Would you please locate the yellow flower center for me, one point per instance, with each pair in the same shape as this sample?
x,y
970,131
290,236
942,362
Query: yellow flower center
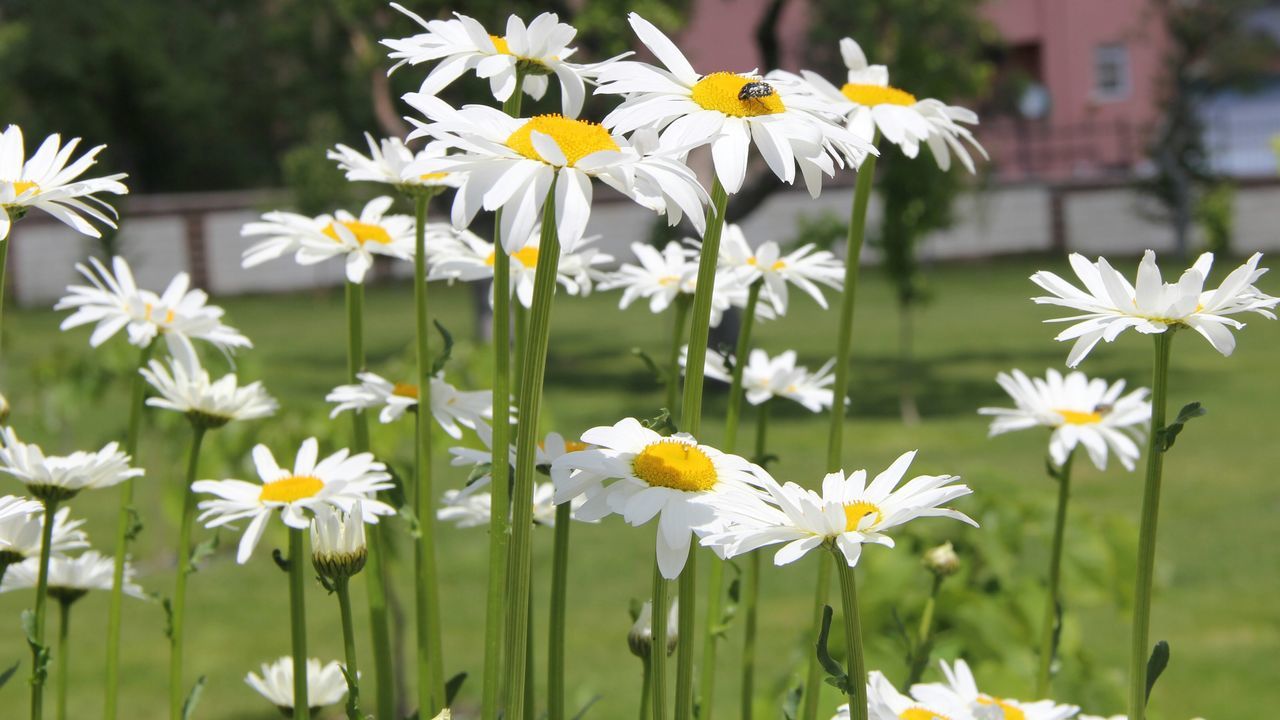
x,y
576,138
574,446
1010,712
871,95
291,489
149,309
428,177
676,465
668,280
1077,417
526,256
500,43
728,93
855,511
753,261
364,232
22,186
919,713
405,390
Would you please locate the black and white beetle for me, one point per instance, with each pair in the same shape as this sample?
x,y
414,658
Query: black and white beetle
x,y
755,90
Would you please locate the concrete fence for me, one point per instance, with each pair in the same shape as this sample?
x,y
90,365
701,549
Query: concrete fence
x,y
200,233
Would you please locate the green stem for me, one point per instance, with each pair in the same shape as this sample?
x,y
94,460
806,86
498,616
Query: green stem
x,y
1147,532
680,315
499,469
530,711
298,618
707,683
646,681
379,624
559,597
852,638
924,638
751,591
342,587
685,630
124,523
1047,634
658,654
39,668
533,367
427,596
739,360
178,615
4,263
64,657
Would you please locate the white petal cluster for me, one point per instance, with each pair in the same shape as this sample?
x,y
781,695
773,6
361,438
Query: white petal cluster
x,y
961,689
72,576
804,267
764,378
46,181
186,387
664,276
391,162
21,523
326,685
452,408
62,476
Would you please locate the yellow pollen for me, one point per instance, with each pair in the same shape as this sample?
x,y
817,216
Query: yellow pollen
x,y
1010,712
720,91
676,465
574,446
667,280
500,43
149,309
871,95
22,186
291,489
364,232
919,713
405,390
576,138
428,177
1077,417
526,256
855,511
778,265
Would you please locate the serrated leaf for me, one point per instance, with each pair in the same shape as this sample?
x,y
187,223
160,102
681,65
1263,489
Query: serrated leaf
x,y
201,551
836,676
8,674
1156,664
193,698
446,353
135,525
281,561
353,694
659,374
594,699
452,686
39,652
1169,433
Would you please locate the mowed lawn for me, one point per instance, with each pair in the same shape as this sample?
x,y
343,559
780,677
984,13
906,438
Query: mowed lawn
x,y
1218,564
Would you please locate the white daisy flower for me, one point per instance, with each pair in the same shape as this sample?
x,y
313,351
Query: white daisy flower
x,y
450,406
21,523
185,387
1080,411
115,302
462,255
71,577
512,163
47,182
338,545
470,506
960,688
1112,305
884,702
545,452
663,276
674,478
847,514
326,685
339,480
60,477
461,44
870,104
804,267
314,240
788,125
391,162
764,378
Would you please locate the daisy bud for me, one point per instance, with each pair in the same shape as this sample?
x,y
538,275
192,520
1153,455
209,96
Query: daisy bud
x,y
4,410
640,639
338,548
942,560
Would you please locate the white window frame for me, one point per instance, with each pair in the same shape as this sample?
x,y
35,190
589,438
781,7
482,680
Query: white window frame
x,y
1115,57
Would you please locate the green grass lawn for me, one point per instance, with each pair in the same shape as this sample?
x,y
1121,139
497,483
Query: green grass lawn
x,y
1218,558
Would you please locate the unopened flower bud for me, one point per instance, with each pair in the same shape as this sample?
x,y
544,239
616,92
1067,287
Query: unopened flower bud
x,y
640,639
942,560
338,548
4,410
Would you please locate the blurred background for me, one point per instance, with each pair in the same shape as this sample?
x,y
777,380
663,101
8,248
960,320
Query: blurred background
x,y
1113,126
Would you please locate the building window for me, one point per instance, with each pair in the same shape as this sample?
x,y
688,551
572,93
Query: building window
x,y
1111,72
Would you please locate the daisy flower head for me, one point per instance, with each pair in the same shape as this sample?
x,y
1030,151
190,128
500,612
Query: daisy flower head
x,y
71,578
545,452
326,685
338,547
1111,304
884,702
21,523
185,387
470,506
805,267
514,164
314,240
732,111
391,162
764,378
450,406
665,276
870,105
846,515
961,689
340,480
462,255
461,44
113,301
46,181
1079,411
61,477
674,478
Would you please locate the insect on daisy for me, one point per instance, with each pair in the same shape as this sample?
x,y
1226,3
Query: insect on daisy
x,y
1079,411
961,689
764,378
114,302
1111,304
314,240
185,387
340,480
804,267
674,478
450,406
47,182
391,162
326,685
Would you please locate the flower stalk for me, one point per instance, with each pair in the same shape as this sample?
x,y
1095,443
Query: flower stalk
x,y
1139,649
1048,629
559,597
751,589
298,617
64,657
679,318
342,588
658,654
39,653
852,638
185,568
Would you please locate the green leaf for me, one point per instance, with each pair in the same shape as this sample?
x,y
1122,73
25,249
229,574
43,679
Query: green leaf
x,y
836,676
594,699
135,525
1156,664
452,687
202,551
168,617
659,374
662,423
326,584
281,561
445,354
7,674
1169,433
353,693
193,699
39,653
791,703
